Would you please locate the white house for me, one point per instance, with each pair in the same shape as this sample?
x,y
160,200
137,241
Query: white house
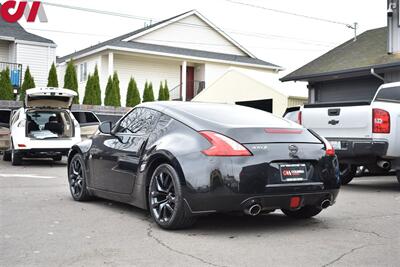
x,y
19,49
249,88
186,50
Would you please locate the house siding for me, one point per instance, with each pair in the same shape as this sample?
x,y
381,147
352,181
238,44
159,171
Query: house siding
x,y
91,64
354,89
146,69
4,51
39,60
197,35
392,76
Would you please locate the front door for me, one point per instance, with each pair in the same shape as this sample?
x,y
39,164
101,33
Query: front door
x,y
115,159
189,83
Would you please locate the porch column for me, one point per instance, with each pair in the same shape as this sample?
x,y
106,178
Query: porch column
x,y
110,64
183,75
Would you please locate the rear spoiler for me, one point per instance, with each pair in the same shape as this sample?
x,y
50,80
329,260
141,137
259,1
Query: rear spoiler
x,y
338,104
291,109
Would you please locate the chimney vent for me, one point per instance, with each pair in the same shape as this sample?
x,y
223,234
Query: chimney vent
x,y
393,26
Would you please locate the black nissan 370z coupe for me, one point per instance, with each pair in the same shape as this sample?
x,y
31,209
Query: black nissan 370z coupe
x,y
181,160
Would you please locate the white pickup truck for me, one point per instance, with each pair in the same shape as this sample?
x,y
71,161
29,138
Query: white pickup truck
x,y
365,133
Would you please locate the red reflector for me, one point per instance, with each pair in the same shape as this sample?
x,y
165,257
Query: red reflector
x,y
380,121
299,118
295,202
283,131
21,145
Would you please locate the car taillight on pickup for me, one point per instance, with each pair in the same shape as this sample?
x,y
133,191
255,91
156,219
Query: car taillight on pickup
x,y
299,117
380,121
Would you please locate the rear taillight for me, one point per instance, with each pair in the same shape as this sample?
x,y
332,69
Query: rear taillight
x,y
329,150
299,118
223,146
380,121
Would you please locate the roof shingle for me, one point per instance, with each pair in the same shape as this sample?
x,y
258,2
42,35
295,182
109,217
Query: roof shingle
x,y
16,31
368,51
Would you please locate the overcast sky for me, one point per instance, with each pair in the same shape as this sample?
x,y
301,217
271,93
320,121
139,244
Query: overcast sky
x,y
285,40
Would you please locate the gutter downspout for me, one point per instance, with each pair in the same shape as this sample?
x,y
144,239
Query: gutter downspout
x,y
376,74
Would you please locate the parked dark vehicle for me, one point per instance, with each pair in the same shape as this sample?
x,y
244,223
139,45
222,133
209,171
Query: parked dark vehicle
x,y
181,160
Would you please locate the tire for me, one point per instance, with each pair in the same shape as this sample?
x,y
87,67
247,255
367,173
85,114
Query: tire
x,y
7,155
166,203
303,213
16,160
77,179
57,158
398,175
347,173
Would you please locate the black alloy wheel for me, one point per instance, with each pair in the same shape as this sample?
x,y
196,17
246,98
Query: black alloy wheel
x,y
77,179
165,199
347,173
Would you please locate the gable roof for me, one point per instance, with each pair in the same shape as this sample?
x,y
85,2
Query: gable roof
x,y
185,15
16,32
123,43
368,51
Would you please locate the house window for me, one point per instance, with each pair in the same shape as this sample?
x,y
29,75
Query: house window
x,y
83,72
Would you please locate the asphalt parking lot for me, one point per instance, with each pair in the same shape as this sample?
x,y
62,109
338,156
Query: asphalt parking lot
x,y
42,226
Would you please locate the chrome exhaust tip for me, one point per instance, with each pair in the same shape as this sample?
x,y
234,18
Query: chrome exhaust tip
x,y
325,203
384,164
253,210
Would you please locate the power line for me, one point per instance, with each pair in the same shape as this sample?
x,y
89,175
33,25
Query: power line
x,y
258,35
289,13
185,42
69,32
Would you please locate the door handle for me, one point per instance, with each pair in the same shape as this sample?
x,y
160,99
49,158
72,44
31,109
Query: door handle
x,y
334,112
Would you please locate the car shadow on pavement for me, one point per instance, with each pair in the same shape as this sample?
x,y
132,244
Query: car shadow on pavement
x,y
374,184
43,162
231,224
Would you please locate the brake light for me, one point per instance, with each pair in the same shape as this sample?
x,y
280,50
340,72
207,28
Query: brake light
x,y
283,131
380,121
223,146
329,150
21,145
299,118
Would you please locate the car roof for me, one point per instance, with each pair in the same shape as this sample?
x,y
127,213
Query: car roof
x,y
210,116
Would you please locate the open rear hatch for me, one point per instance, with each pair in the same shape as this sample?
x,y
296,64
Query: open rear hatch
x,y
49,97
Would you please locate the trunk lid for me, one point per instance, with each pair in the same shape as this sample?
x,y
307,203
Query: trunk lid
x,y
263,135
49,97
344,120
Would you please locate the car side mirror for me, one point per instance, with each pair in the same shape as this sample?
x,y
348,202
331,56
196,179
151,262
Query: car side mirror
x,y
106,127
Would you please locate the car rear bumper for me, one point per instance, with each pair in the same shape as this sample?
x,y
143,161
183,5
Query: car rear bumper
x,y
42,152
364,148
240,202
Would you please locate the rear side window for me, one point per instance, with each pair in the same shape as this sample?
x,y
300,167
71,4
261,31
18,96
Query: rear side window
x,y
389,94
5,116
85,117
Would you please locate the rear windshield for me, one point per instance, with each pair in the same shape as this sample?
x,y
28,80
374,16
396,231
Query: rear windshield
x,y
389,94
48,124
235,115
